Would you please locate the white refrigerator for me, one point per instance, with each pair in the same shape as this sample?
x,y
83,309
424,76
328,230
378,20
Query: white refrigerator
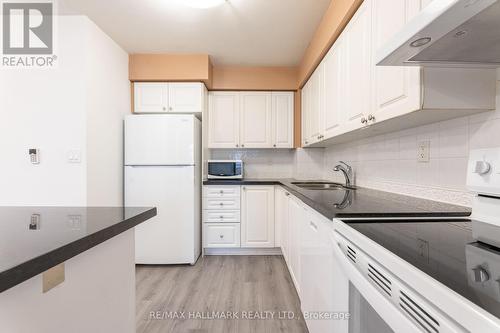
x,y
163,169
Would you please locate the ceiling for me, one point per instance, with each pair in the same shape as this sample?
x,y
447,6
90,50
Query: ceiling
x,y
239,32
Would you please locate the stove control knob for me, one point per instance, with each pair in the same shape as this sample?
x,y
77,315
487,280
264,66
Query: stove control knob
x,y
480,274
482,167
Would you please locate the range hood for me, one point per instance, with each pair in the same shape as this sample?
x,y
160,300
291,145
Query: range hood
x,y
448,33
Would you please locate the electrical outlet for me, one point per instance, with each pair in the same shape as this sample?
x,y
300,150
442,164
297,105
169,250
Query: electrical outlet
x,y
424,148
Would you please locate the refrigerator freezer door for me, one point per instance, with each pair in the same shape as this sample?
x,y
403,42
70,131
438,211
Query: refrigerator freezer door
x,y
160,140
171,237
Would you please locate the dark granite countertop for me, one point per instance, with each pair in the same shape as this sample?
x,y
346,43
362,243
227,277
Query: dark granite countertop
x,y
359,203
34,239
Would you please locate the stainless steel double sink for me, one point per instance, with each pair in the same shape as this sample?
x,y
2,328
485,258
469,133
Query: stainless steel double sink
x,y
322,186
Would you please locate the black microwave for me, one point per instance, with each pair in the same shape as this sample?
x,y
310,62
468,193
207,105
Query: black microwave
x,y
219,169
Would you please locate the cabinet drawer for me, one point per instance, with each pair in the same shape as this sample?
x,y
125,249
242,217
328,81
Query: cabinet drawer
x,y
222,235
221,203
221,216
221,191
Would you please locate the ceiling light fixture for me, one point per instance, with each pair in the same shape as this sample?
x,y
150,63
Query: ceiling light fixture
x,y
204,3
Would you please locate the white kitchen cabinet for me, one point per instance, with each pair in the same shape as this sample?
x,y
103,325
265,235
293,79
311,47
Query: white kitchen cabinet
x,y
257,216
305,108
359,99
167,97
150,97
396,89
223,235
224,120
295,218
186,97
282,223
251,120
282,121
256,120
315,106
317,270
358,61
333,96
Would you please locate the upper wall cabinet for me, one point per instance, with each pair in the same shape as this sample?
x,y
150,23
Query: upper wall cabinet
x,y
353,93
250,120
169,97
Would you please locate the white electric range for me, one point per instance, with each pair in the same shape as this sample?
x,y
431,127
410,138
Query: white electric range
x,y
424,275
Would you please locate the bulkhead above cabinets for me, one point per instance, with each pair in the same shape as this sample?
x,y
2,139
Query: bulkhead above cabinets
x,y
170,97
348,97
250,119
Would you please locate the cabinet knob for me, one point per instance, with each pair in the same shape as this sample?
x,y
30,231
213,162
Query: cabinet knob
x,y
363,120
237,146
306,142
221,191
371,117
221,204
242,145
221,236
170,108
164,108
287,194
221,217
274,146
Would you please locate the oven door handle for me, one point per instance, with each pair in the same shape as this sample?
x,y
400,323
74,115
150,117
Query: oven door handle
x,y
385,308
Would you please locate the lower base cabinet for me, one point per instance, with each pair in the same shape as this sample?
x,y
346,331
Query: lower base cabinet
x,y
222,235
306,244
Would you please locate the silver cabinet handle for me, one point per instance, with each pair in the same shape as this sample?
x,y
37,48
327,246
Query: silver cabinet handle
x,y
363,120
287,194
371,117
313,225
480,274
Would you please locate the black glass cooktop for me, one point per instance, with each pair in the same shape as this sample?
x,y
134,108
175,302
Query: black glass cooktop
x,y
452,252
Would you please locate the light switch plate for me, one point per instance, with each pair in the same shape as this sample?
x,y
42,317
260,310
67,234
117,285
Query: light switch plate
x,y
423,151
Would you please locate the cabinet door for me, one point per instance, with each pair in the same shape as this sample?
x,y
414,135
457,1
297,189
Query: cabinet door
x,y
295,215
282,119
256,120
396,90
224,120
315,105
305,113
333,89
257,216
186,97
150,97
357,38
316,257
281,221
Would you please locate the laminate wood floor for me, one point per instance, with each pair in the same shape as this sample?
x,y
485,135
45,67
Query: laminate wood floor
x,y
257,291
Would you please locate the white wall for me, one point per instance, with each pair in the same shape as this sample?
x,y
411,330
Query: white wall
x,y
108,101
75,106
44,109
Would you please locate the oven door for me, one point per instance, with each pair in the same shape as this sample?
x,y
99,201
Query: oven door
x,y
378,302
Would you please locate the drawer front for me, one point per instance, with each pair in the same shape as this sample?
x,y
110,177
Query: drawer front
x,y
222,203
221,191
222,235
221,216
